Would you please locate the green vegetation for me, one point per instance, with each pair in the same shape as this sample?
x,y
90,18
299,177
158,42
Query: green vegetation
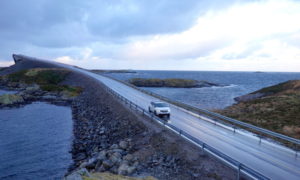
x,y
48,79
67,90
180,83
39,76
278,110
10,99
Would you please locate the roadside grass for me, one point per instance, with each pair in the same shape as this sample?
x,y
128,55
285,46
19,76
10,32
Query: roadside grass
x,y
292,85
279,112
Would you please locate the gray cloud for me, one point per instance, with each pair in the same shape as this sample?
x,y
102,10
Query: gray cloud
x,y
32,25
143,17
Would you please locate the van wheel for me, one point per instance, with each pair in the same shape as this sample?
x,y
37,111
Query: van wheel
x,y
149,110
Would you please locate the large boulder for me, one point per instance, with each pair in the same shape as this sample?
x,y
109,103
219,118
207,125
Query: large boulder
x,y
123,145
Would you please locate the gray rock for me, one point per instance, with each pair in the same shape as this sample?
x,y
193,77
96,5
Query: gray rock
x,y
102,155
99,167
119,151
114,169
23,85
135,164
73,177
102,130
49,97
83,172
128,157
26,96
83,165
169,158
77,175
116,157
95,150
107,164
124,162
91,163
34,87
131,169
123,145
114,146
123,169
80,156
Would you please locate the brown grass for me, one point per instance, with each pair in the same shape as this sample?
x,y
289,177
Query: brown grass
x,y
279,112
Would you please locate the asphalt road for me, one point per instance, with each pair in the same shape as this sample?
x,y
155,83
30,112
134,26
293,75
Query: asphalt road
x,y
270,159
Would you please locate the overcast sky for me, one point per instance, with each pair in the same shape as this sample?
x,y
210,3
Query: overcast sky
x,y
231,35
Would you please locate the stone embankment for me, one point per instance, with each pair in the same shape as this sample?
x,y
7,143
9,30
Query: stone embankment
x,y
110,138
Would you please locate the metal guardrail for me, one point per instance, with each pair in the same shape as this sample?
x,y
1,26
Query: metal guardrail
x,y
242,170
215,115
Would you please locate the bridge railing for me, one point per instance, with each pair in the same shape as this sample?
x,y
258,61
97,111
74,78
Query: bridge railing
x,y
218,118
242,170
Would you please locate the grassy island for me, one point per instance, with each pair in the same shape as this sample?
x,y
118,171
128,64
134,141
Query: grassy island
x,y
174,83
276,108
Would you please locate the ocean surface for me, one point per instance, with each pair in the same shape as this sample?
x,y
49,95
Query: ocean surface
x,y
234,84
35,141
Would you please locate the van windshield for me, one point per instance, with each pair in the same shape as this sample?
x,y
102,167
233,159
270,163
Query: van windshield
x,y
161,105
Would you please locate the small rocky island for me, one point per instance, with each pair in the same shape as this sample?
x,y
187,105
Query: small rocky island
x,y
174,83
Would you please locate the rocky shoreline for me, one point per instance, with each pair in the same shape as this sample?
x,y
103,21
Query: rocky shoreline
x,y
30,94
109,137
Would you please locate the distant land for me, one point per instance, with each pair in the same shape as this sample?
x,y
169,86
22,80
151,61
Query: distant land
x,y
276,108
113,71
